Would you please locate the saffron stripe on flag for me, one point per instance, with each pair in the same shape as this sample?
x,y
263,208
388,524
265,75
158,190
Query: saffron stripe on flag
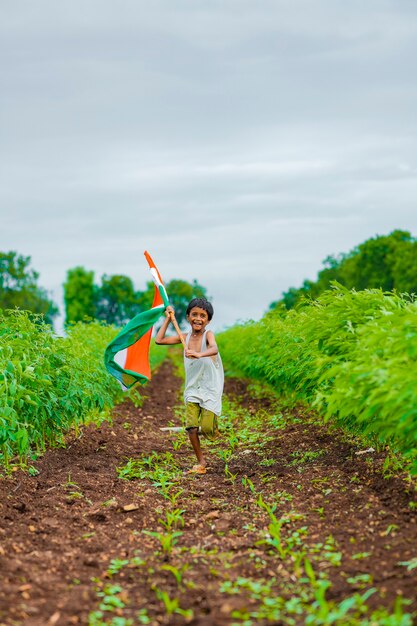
x,y
127,356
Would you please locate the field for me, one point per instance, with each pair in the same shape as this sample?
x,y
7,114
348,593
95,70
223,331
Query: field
x,y
294,523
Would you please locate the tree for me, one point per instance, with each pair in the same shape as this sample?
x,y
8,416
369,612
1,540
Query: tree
x,y
19,288
371,264
116,300
145,298
79,295
405,270
386,261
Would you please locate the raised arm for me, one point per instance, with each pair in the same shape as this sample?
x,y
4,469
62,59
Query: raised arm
x,y
161,339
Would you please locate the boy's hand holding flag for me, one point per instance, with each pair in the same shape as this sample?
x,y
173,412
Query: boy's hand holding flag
x,y
127,355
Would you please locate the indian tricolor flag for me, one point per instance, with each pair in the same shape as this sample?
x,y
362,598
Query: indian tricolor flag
x,y
127,356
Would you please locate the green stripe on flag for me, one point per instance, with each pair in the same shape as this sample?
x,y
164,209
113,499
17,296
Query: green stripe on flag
x,y
130,334
164,295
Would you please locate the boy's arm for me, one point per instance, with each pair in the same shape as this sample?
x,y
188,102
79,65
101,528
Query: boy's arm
x,y
211,350
160,338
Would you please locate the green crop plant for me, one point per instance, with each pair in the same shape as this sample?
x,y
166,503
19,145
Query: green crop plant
x,y
410,565
161,469
225,455
391,528
173,495
267,462
281,496
360,556
110,598
246,482
97,618
328,551
50,384
172,605
177,572
308,603
166,540
113,599
243,427
258,588
305,457
361,580
179,440
273,537
116,565
110,602
353,355
232,440
143,617
173,519
74,491
137,561
277,421
229,475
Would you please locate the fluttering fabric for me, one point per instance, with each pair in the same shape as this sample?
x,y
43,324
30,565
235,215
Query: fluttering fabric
x,y
127,355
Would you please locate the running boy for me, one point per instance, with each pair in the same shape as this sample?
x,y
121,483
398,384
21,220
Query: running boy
x,y
204,376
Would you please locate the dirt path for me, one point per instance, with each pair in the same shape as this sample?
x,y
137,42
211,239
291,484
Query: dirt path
x,y
287,515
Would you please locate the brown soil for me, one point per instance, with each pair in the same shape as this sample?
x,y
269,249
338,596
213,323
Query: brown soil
x,y
61,528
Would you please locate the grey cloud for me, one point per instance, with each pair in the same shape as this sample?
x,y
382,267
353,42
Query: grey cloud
x,y
225,137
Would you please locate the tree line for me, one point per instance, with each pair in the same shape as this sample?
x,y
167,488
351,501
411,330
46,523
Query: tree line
x,y
113,300
388,262
19,287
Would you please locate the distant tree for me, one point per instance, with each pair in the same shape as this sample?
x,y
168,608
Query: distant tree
x,y
387,262
19,288
145,298
79,295
370,265
405,270
116,300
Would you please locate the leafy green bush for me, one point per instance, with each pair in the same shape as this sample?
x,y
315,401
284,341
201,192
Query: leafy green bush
x,y
49,384
156,355
352,354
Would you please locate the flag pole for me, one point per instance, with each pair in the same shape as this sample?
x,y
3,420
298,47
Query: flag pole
x,y
177,328
156,277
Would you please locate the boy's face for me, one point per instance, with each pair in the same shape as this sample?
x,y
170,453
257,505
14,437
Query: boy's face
x,y
198,319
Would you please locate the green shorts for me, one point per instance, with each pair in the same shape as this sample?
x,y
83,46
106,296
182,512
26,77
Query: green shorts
x,y
196,416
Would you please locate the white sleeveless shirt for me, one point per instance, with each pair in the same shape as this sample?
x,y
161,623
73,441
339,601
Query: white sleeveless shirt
x,y
204,379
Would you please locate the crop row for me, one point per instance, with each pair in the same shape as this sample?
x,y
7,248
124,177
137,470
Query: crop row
x,y
49,384
288,569
351,354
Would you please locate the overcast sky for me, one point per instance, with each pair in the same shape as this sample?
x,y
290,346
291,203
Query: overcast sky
x,y
240,142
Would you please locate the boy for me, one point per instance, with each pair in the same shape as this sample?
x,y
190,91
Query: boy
x,y
204,376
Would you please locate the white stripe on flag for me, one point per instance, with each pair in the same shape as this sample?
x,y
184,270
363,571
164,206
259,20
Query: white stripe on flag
x,y
120,357
155,276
